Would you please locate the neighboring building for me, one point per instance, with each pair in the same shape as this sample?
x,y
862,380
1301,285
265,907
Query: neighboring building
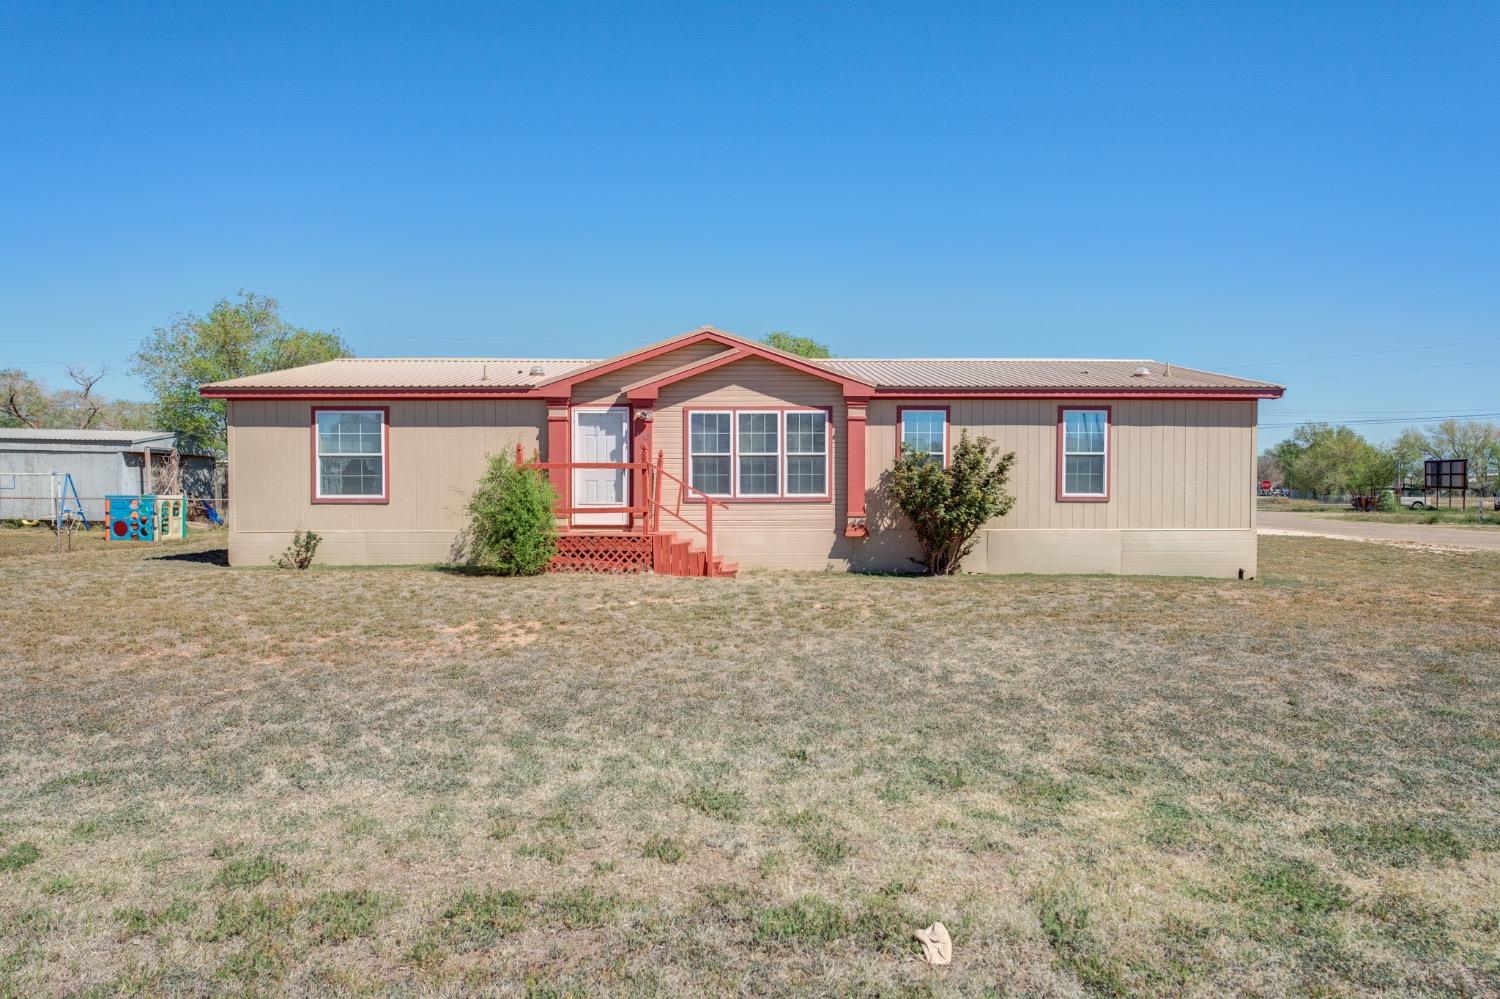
x,y
102,463
1121,466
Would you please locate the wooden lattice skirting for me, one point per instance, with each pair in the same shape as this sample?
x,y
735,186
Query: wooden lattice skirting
x,y
602,553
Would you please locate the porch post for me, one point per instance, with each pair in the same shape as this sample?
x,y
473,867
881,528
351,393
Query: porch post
x,y
855,525
560,448
640,451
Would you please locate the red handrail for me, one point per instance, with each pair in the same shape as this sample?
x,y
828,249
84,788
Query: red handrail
x,y
648,476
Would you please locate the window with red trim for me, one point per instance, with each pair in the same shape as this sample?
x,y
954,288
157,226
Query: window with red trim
x,y
1085,453
351,453
926,432
759,454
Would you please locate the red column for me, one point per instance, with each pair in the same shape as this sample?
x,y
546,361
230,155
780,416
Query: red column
x,y
640,451
560,448
854,453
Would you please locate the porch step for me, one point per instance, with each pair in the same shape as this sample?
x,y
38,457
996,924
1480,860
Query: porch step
x,y
663,553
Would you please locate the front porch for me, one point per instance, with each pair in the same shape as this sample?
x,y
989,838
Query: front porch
x,y
640,542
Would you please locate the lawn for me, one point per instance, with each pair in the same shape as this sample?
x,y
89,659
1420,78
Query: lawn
x,y
220,780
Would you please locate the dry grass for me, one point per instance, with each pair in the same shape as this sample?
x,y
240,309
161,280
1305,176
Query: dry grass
x,y
402,780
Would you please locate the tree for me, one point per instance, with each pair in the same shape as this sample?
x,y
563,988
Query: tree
x,y
1374,469
800,345
1321,459
1472,439
948,506
1268,469
1410,451
235,339
25,402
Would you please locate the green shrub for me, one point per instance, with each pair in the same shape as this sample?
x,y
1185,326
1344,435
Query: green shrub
x,y
512,529
948,506
1386,501
299,554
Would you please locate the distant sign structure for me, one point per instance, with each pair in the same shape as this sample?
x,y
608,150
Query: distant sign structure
x,y
1447,473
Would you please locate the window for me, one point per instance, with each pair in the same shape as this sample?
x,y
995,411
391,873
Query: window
x,y
761,454
1084,453
710,453
759,446
351,454
926,430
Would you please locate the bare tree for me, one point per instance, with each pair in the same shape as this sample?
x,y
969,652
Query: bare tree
x,y
88,405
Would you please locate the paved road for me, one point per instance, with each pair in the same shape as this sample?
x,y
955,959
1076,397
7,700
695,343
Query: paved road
x,y
1468,539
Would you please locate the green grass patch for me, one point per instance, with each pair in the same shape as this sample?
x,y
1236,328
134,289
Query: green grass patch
x,y
1398,844
663,848
720,803
19,855
336,916
249,872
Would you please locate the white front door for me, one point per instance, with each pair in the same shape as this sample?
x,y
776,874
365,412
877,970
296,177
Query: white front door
x,y
601,435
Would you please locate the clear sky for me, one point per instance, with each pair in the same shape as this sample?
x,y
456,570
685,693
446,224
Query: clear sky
x,y
1249,187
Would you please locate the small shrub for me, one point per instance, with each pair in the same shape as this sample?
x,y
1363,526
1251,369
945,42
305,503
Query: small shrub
x,y
19,856
299,554
948,505
512,529
1386,501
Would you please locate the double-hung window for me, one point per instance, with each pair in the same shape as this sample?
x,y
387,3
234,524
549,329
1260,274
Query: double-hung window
x,y
926,432
1083,449
350,456
758,444
807,454
763,454
711,453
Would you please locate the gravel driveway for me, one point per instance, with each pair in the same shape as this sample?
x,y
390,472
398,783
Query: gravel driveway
x,y
1457,538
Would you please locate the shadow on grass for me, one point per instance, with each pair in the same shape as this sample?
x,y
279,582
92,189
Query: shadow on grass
x,y
211,556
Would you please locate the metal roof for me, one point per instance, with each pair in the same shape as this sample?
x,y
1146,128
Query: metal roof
x,y
930,374
411,372
124,438
1032,373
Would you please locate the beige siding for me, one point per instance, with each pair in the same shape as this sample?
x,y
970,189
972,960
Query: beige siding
x,y
1181,488
783,535
437,452
607,388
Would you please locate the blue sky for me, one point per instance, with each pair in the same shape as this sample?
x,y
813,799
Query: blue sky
x,y
1263,188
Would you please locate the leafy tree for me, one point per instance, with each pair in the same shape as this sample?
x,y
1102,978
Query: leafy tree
x,y
948,506
235,339
1409,450
1374,470
25,402
512,529
800,345
1321,459
1472,439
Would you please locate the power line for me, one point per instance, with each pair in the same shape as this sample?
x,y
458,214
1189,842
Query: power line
x,y
1363,353
1393,371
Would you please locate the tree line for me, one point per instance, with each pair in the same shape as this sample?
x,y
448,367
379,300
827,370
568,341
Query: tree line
x,y
1332,460
233,339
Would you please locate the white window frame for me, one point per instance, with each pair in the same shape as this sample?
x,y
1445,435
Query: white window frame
x,y
691,454
787,454
382,456
777,455
1066,454
908,410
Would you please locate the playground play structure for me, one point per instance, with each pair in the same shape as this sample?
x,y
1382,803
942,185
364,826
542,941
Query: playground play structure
x,y
37,497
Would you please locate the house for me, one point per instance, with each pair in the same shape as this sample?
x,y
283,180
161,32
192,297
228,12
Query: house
x,y
1121,466
102,462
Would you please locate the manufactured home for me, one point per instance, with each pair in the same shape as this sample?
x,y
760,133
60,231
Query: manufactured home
x,y
707,451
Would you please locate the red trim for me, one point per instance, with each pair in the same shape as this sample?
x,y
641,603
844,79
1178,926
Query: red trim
x,y
700,335
1109,452
560,448
385,442
1080,392
947,428
781,455
434,394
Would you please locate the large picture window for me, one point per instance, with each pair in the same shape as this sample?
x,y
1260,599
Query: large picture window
x,y
759,454
1083,451
350,455
926,431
